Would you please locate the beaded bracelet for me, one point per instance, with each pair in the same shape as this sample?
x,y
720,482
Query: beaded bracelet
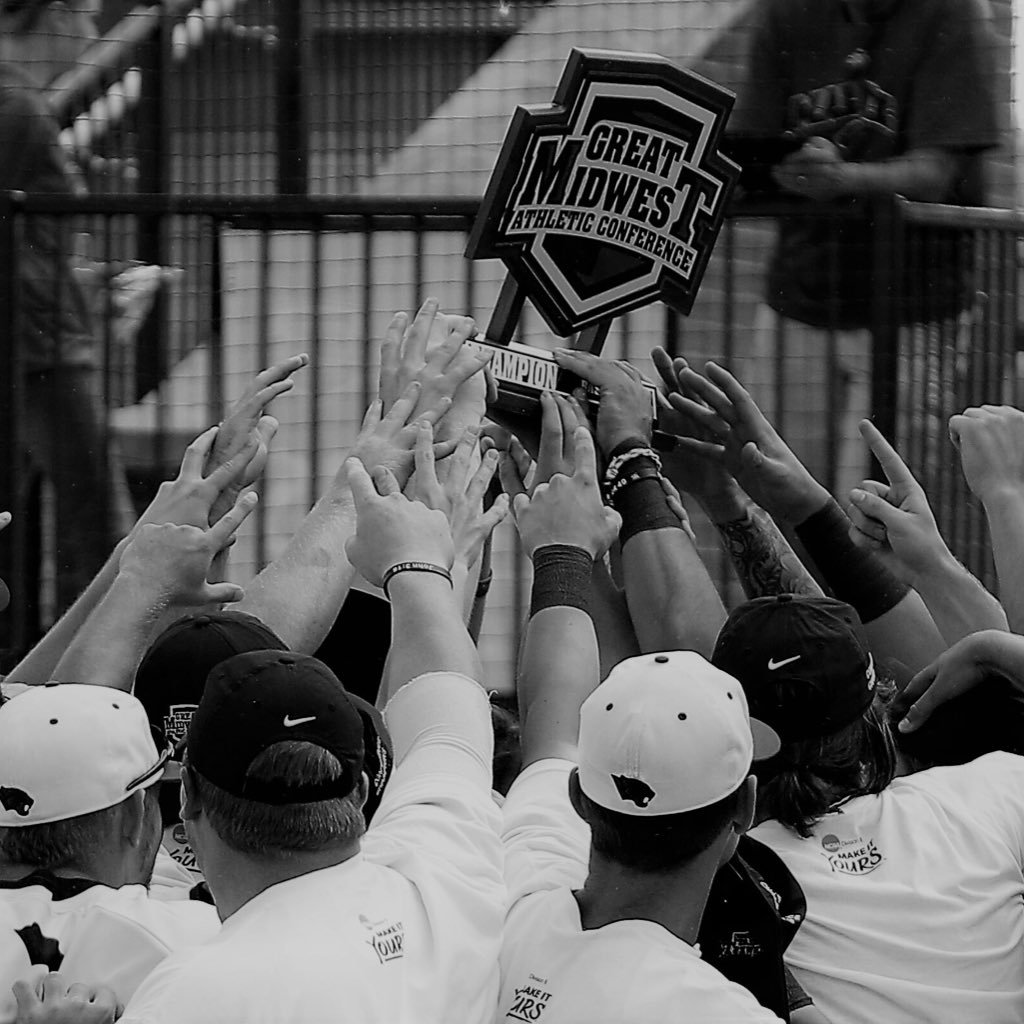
x,y
616,464
437,570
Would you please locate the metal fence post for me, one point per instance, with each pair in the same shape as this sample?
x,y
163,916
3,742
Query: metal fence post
x,y
887,302
13,624
292,137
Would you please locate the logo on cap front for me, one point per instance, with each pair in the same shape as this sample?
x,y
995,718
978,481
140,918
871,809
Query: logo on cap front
x,y
176,721
636,791
773,664
290,722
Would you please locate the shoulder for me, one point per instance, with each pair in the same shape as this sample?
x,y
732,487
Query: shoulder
x,y
171,924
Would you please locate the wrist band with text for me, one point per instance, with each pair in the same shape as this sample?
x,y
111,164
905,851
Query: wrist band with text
x,y
858,577
561,578
437,570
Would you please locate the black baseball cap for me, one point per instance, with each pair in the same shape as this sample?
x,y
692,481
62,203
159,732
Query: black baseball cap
x,y
803,663
255,700
172,676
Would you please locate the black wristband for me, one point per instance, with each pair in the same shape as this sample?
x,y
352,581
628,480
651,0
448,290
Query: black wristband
x,y
858,577
643,505
561,578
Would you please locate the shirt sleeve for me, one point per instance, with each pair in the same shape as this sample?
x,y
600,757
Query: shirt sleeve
x,y
953,104
546,843
437,824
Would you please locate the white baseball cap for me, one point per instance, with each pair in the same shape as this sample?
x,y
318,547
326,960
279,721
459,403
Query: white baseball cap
x,y
69,749
667,733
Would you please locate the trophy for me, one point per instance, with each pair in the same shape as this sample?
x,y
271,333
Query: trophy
x,y
604,201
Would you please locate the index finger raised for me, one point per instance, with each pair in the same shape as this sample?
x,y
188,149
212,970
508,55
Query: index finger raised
x,y
895,469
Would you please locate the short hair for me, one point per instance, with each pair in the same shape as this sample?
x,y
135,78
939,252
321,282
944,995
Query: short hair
x,y
57,844
507,761
282,830
809,777
661,842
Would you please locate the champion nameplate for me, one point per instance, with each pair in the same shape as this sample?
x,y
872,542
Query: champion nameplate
x,y
612,196
524,372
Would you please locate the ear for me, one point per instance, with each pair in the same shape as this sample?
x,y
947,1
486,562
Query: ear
x,y
576,798
362,790
191,805
133,817
746,805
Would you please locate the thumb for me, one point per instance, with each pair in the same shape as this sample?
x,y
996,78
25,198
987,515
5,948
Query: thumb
x,y
224,593
877,508
917,691
752,456
520,503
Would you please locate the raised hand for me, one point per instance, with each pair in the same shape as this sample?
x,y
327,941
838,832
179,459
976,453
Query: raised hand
x,y
248,427
461,494
568,509
895,519
387,441
747,444
431,350
188,499
990,439
391,528
624,410
55,1001
172,562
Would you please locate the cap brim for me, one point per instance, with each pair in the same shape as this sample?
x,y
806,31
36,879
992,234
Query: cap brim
x,y
766,740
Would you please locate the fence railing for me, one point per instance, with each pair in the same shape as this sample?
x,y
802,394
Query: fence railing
x,y
262,278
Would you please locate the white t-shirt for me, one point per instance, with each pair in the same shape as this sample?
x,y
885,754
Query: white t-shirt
x,y
91,933
406,931
555,972
914,899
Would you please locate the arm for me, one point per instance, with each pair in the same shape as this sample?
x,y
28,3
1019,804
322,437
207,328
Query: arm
x,y
299,594
990,440
564,526
163,568
965,665
672,601
762,557
895,618
896,519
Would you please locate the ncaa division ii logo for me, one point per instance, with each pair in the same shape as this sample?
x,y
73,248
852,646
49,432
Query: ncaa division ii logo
x,y
613,196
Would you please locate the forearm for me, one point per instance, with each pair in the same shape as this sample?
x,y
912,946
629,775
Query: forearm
x,y
956,600
925,174
1005,512
300,593
895,617
999,652
40,664
427,631
672,600
559,664
763,559
107,649
616,638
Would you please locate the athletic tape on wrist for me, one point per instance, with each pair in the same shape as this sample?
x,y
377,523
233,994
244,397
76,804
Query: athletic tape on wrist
x,y
561,578
858,577
643,505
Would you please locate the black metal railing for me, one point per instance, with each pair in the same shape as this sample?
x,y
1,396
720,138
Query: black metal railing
x,y
263,277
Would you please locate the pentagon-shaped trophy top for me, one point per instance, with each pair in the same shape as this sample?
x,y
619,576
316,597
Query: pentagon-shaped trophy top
x,y
612,196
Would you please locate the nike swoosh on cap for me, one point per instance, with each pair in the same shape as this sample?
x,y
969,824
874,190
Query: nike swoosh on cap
x,y
773,665
289,722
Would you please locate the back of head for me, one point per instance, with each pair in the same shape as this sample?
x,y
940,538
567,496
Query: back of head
x,y
805,667
70,756
172,677
665,747
276,752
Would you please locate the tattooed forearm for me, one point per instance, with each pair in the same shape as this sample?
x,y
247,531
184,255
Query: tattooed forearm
x,y
763,559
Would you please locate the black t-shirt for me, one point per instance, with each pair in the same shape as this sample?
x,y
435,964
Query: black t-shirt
x,y
753,911
932,73
53,316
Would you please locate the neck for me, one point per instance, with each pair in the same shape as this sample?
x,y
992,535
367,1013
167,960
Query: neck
x,y
674,899
236,878
93,870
